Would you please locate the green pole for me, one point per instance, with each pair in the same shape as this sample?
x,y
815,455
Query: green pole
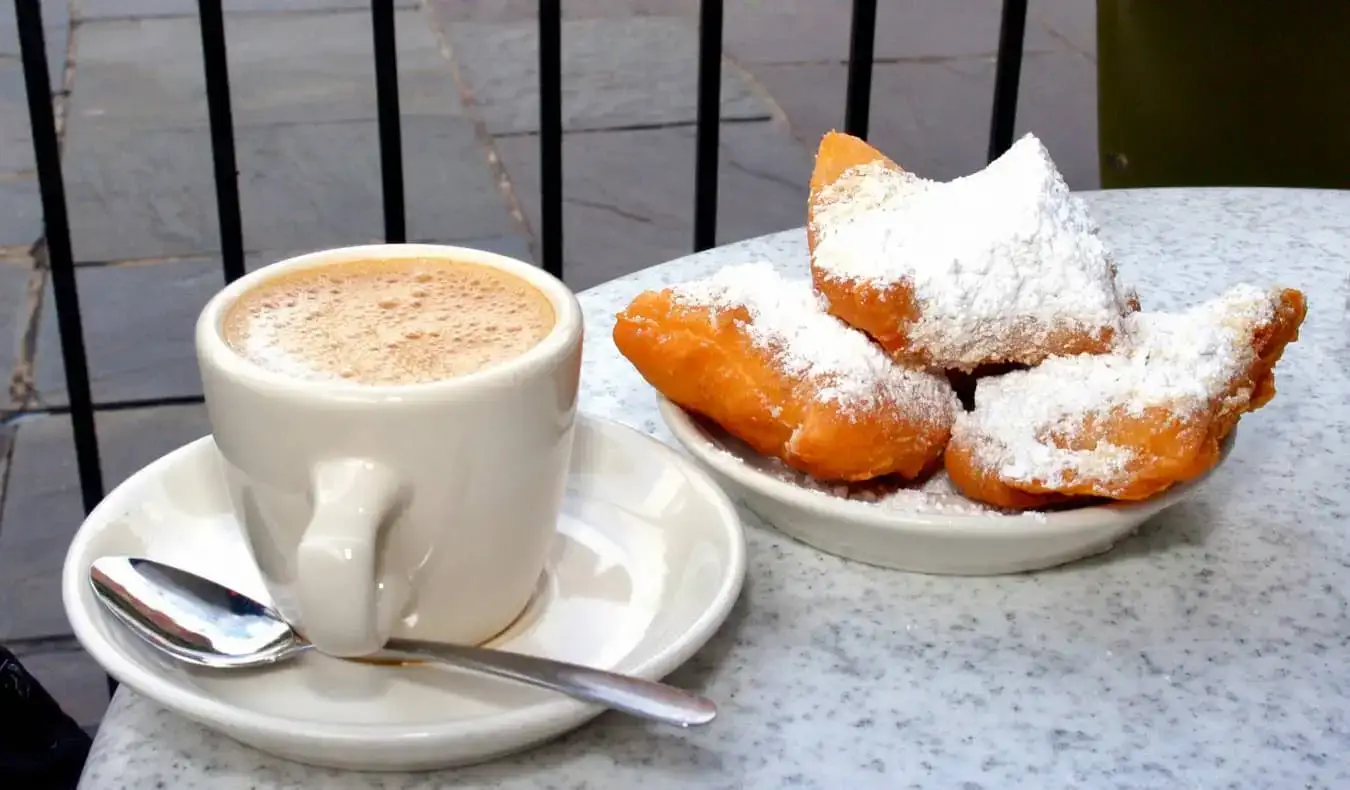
x,y
1224,93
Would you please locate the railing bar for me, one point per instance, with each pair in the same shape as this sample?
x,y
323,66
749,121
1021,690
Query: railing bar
x,y
216,69
116,405
391,139
550,137
47,155
709,123
1007,74
149,403
861,47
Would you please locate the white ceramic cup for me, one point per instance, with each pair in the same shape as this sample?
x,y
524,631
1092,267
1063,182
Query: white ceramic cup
x,y
424,510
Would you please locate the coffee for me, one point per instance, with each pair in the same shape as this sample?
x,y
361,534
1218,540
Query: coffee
x,y
388,321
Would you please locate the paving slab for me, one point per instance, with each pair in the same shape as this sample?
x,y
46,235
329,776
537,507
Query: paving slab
x,y
75,681
137,193
133,193
1059,105
616,73
42,509
330,78
121,9
14,277
16,140
1073,22
56,36
20,211
617,220
514,246
933,118
318,185
805,31
138,324
519,10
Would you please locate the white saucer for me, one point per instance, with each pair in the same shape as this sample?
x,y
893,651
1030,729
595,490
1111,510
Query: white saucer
x,y
940,533
649,561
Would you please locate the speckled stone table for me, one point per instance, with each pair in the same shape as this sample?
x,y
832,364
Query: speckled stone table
x,y
1210,651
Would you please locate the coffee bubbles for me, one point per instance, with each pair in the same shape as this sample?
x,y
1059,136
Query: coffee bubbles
x,y
388,321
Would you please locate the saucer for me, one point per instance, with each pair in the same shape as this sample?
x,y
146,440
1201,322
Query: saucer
x,y
647,564
937,531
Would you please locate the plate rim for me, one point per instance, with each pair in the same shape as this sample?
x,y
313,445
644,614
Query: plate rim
x,y
942,525
555,716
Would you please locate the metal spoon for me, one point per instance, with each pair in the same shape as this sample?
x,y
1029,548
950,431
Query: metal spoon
x,y
201,622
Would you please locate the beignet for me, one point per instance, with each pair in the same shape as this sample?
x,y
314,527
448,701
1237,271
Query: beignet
x,y
1003,266
1129,424
759,356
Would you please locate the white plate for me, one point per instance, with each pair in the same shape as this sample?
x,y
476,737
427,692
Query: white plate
x,y
948,536
649,560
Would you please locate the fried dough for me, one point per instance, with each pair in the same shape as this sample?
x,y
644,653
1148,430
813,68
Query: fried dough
x,y
759,356
1000,267
1130,424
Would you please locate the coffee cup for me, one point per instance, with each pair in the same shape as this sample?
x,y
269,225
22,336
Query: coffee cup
x,y
395,425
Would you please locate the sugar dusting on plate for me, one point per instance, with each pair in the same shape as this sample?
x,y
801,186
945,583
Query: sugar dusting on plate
x,y
934,496
1181,361
1004,252
787,319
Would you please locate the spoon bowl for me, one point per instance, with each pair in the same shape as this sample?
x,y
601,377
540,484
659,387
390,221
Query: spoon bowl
x,y
200,622
191,618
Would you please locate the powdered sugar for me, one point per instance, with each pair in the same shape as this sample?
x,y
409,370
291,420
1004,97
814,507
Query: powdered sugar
x,y
787,319
1181,361
1004,255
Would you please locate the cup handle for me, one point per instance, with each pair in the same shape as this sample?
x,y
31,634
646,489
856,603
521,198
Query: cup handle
x,y
335,562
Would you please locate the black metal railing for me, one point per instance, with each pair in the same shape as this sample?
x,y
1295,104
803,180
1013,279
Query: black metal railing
x,y
57,239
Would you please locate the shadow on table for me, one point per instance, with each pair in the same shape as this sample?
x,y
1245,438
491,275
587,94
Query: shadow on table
x,y
1185,524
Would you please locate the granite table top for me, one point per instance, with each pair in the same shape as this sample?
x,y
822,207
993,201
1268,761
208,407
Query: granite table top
x,y
1211,650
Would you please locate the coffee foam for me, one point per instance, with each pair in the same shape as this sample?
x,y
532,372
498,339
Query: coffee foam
x,y
388,321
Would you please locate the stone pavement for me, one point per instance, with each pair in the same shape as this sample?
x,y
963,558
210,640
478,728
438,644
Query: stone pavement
x,y
129,90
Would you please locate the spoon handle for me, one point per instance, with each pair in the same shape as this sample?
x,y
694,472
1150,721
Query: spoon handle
x,y
643,698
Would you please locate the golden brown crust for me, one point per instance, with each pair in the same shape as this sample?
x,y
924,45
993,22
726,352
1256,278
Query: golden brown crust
x,y
704,360
977,482
839,153
881,313
887,312
1167,448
